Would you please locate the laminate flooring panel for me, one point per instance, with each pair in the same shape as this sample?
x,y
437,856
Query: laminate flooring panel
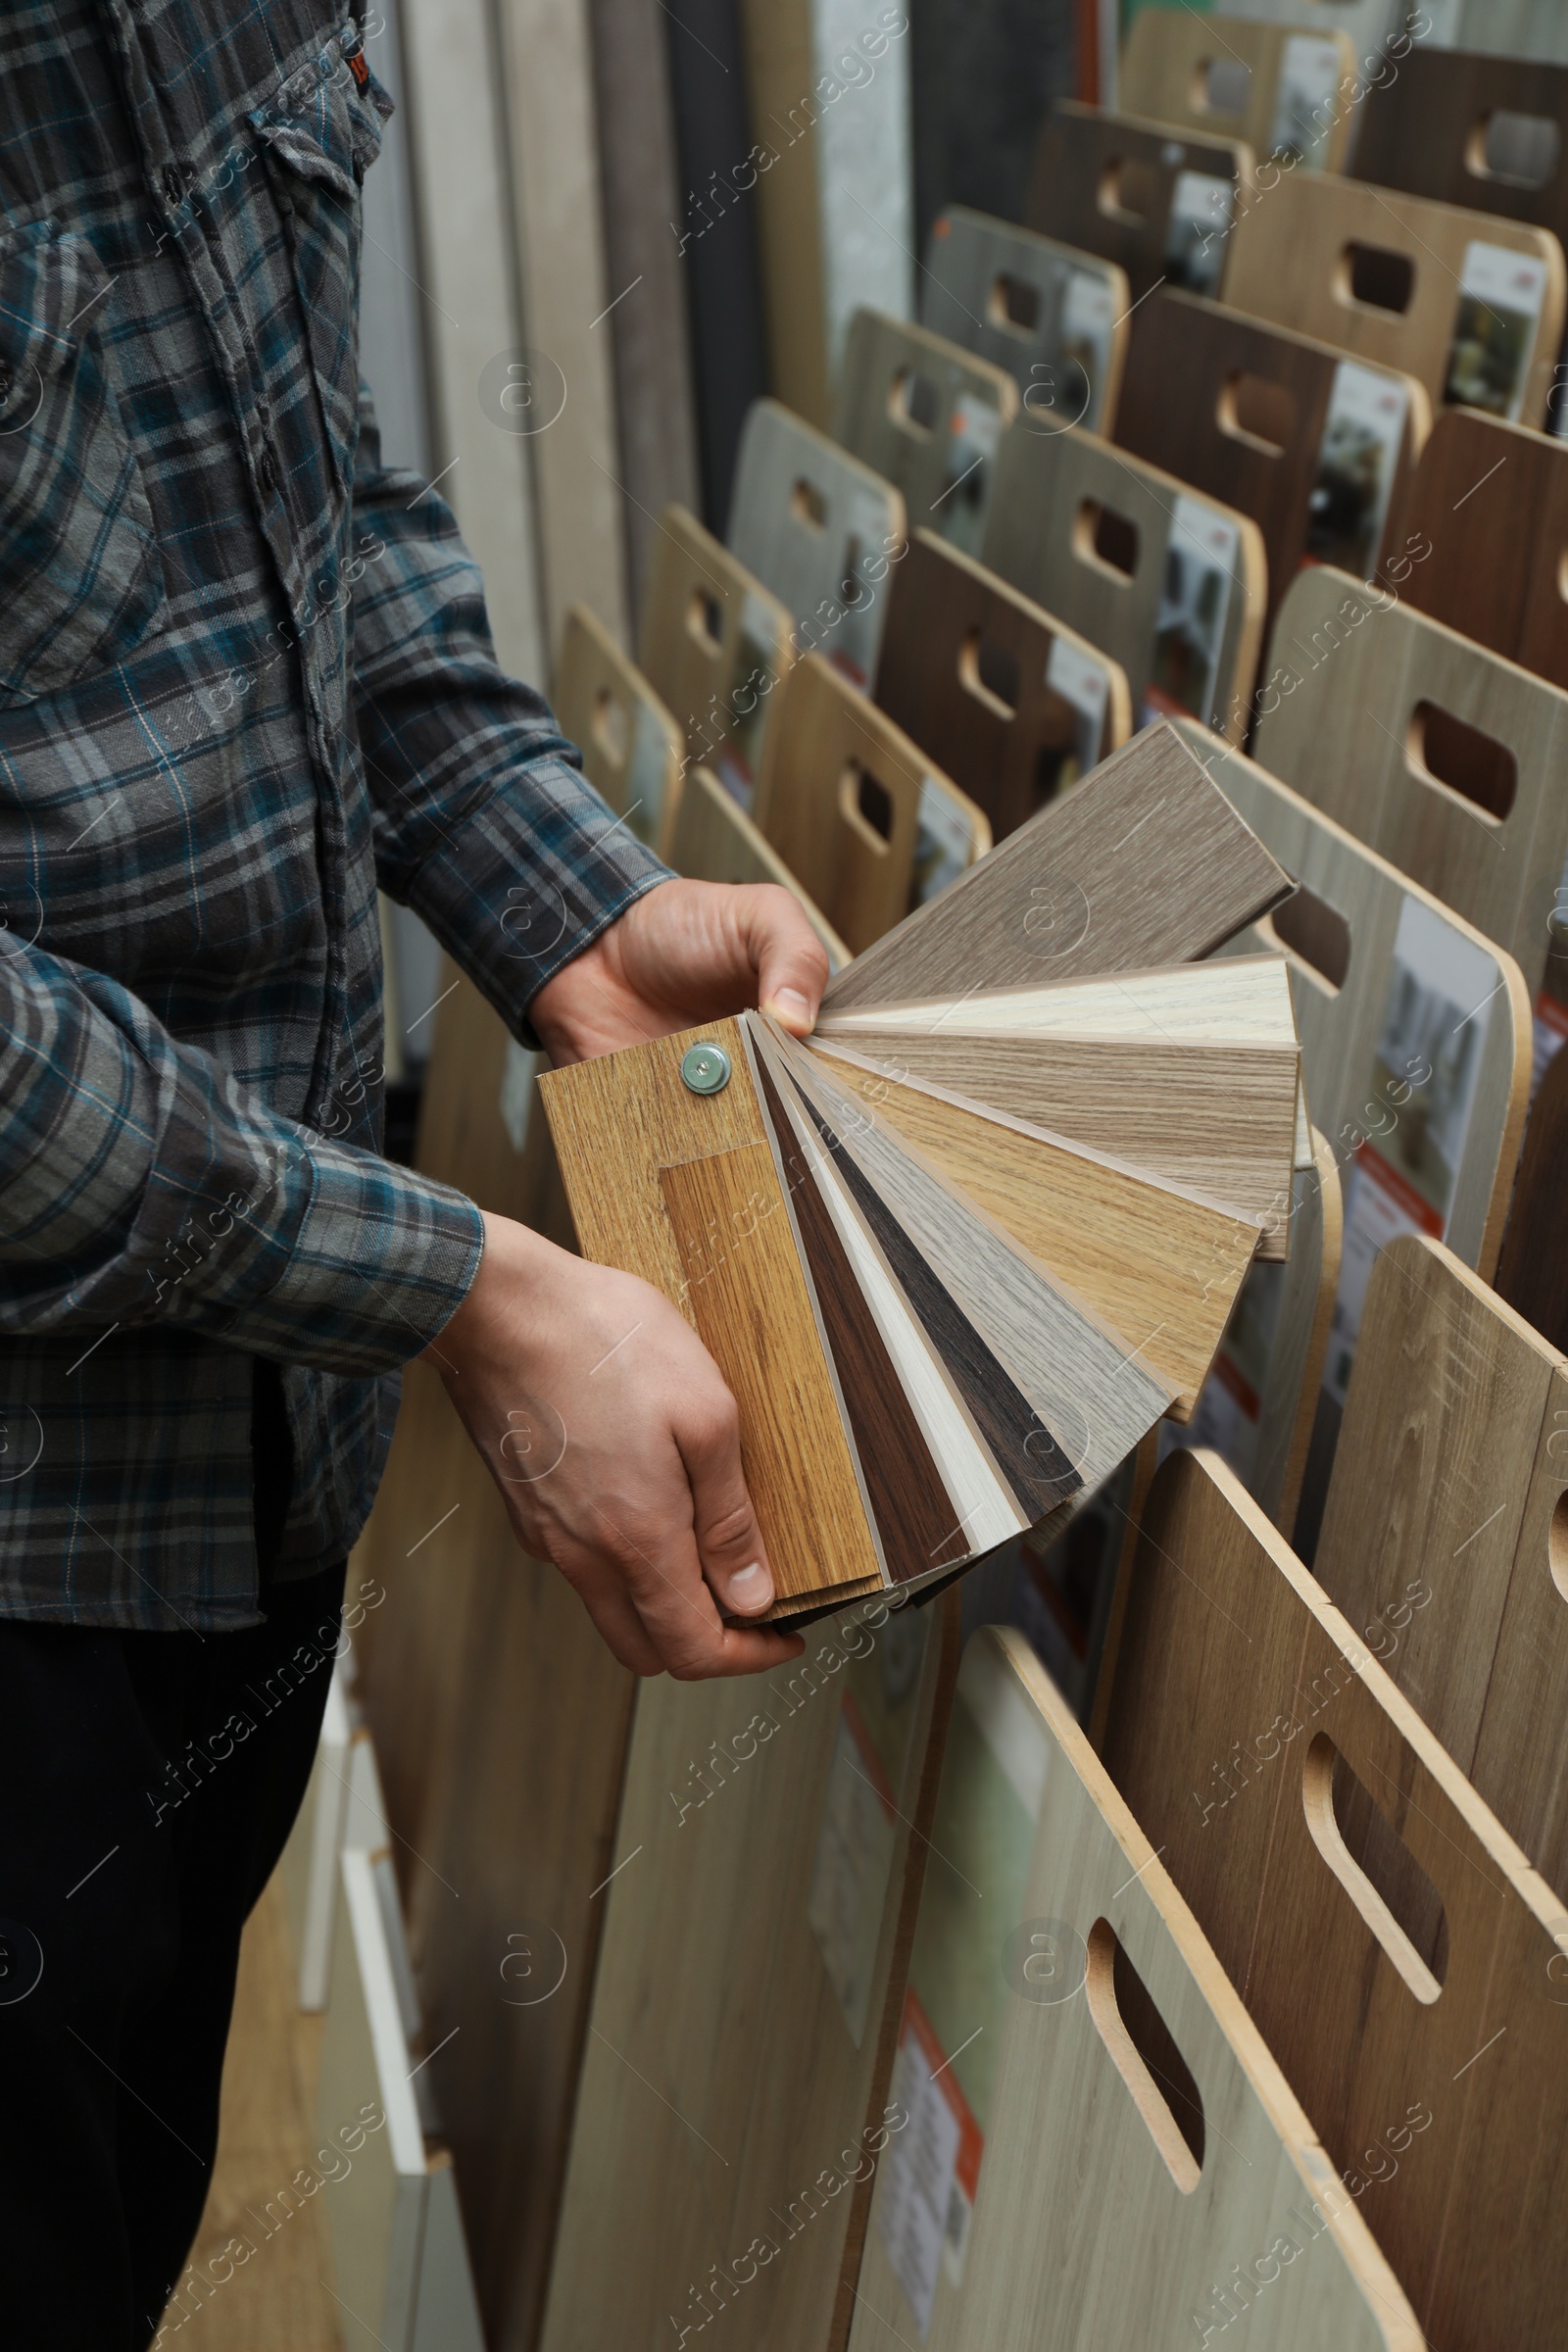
x,y
929,417
1426,129
1269,79
715,646
1055,317
1411,2004
1241,999
1157,204
711,838
633,749
1490,502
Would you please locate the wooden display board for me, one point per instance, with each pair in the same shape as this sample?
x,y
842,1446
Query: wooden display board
x,y
711,839
735,2096
1532,1266
1469,304
716,645
1170,584
1053,315
1432,129
1012,705
1097,2135
927,416
1399,1957
1486,524
1316,447
1277,88
1525,29
1158,206
633,749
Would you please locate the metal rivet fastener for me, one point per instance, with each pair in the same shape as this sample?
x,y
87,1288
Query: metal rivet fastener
x,y
705,1068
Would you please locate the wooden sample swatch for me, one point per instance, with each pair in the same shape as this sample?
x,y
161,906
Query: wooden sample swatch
x,y
1390,1942
1242,1000
1070,895
1011,704
632,749
1316,447
1226,77
928,416
1156,205
1171,585
1468,304
1442,1538
1440,755
1114,2073
1428,129
820,529
709,839
716,645
843,798
1485,535
1532,1266
1053,315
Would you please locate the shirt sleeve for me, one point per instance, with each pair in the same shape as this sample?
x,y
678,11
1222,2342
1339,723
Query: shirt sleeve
x,y
484,823
141,1183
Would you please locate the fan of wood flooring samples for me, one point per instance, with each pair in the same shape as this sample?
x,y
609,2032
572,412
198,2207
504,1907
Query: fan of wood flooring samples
x,y
1223,77
1013,705
929,417
1487,132
820,530
1316,447
1053,316
1158,206
945,1315
716,645
712,840
1468,304
1170,584
1400,1958
632,749
1100,2148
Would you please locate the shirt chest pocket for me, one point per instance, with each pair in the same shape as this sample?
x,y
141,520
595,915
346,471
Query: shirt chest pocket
x,y
318,139
80,578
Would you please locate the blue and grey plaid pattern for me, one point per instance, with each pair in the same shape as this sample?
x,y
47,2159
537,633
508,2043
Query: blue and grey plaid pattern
x,y
245,673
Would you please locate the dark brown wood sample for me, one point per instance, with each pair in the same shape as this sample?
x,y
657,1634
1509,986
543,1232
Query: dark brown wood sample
x,y
1532,1266
1108,182
1432,129
1145,865
1485,538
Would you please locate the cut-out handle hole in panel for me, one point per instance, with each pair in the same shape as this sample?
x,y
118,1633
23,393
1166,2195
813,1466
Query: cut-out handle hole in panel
x,y
1144,2051
1376,1869
1257,413
1105,538
867,807
990,673
1375,278
1557,1545
611,727
1126,191
705,621
1309,928
1523,151
1221,85
1443,749
1015,302
809,506
914,403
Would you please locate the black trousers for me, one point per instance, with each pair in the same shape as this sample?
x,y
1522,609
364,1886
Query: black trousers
x,y
149,1783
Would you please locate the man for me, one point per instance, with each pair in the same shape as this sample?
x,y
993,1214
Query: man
x,y
245,675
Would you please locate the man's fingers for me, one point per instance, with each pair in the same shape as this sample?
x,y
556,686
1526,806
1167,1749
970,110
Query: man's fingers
x,y
730,1542
791,961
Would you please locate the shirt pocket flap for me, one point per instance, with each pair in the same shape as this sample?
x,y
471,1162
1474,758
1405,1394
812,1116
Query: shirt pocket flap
x,y
326,126
50,285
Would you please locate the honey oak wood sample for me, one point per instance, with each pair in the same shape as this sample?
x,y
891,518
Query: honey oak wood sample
x,y
1012,703
1532,1266
714,644
1053,315
1139,2143
820,529
1227,78
1445,1540
633,749
1381,733
1144,865
710,840
1102,538
1486,526
929,417
1392,1945
1476,317
1316,447
1156,204
1432,129
734,2106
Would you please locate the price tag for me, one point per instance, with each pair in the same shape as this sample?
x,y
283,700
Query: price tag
x,y
1357,461
1303,100
1194,599
1196,231
1494,328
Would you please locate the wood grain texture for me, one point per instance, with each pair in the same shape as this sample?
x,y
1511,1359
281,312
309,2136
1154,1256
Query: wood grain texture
x,y
1239,1684
952,628
929,417
1286,265
1242,999
1080,2233
1356,659
1107,182
632,749
1485,527
1054,316
1532,1266
712,840
1164,69
1178,409
1069,894
1054,491
811,521
714,644
1424,130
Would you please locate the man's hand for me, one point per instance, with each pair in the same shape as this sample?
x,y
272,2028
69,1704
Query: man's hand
x,y
683,954
608,1430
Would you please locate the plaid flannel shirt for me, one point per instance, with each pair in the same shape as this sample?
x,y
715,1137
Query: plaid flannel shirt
x,y
245,674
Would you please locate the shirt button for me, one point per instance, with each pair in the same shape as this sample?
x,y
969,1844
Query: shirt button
x,y
267,472
173,183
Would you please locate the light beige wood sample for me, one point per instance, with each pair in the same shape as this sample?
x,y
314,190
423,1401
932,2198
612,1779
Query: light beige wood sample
x,y
1234,79
727,2098
1390,1941
714,644
1445,1539
1053,316
820,529
1488,340
834,764
633,749
1094,2222
1241,1000
1377,723
709,839
929,417
1088,531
